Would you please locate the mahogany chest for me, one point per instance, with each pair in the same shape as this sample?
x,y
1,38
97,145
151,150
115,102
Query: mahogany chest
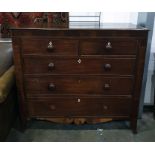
x,y
79,71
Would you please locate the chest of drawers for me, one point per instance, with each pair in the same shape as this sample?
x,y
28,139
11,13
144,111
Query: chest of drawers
x,y
79,72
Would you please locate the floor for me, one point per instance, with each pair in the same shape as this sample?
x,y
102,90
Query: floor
x,y
117,131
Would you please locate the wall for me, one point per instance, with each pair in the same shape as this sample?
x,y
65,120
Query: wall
x,y
147,19
109,17
149,90
119,17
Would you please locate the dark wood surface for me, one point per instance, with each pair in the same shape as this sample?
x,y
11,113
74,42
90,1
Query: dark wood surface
x,y
79,71
124,46
89,65
82,26
80,106
78,84
40,46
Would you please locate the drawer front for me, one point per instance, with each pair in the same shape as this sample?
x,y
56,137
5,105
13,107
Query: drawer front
x,y
110,66
49,46
123,46
79,106
78,85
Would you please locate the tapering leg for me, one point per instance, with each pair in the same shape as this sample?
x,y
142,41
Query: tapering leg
x,y
133,125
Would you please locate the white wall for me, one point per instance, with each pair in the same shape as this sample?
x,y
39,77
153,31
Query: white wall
x,y
108,17
153,39
119,17
149,91
133,17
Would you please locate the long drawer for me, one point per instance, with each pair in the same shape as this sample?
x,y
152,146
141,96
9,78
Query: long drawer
x,y
89,65
108,46
49,46
78,85
79,106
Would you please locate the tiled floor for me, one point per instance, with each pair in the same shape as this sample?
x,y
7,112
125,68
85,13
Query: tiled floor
x,y
39,131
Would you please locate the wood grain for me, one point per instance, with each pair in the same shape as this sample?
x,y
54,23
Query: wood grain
x,y
85,73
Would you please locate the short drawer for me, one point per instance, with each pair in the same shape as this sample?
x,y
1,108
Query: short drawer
x,y
49,46
109,46
50,65
79,106
78,85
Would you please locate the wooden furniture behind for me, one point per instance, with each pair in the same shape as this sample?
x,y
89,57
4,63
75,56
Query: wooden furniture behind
x,y
80,71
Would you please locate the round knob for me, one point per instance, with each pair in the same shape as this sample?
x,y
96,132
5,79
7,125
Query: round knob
x,y
51,66
52,107
107,66
51,87
50,46
108,45
106,86
105,107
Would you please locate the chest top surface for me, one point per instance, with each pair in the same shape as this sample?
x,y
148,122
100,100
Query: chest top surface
x,y
83,26
81,30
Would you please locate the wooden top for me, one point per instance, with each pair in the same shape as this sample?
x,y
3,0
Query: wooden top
x,y
84,26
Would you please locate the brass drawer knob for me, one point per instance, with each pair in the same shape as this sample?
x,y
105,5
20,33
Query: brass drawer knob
x,y
106,86
51,87
108,45
107,67
50,46
51,66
